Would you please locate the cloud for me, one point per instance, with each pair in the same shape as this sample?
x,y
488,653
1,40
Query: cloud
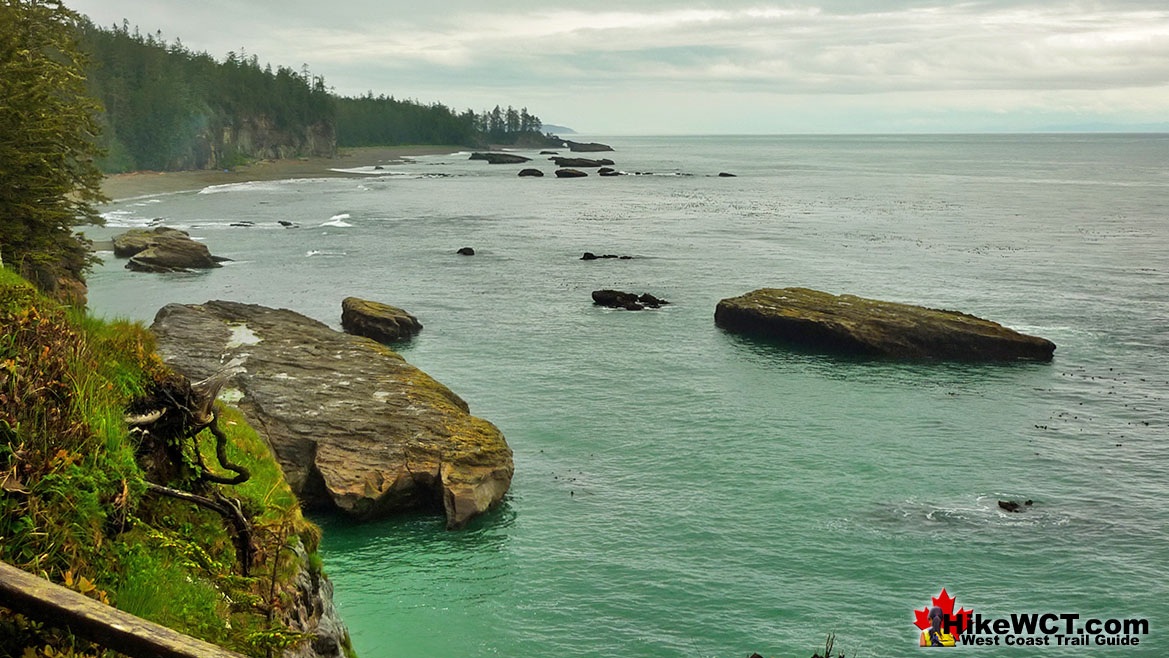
x,y
993,54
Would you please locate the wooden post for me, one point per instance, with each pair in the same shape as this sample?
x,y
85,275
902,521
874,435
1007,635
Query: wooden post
x,y
109,627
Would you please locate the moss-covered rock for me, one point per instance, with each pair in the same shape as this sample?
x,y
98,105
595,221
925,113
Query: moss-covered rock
x,y
856,325
354,426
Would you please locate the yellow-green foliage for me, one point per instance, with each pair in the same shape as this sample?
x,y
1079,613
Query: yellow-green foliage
x,y
73,506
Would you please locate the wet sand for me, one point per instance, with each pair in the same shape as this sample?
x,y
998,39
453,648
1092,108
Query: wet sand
x,y
140,183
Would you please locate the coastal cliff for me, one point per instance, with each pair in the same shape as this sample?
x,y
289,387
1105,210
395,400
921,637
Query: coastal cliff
x,y
86,502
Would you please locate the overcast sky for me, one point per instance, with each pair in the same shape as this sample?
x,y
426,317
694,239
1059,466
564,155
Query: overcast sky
x,y
683,67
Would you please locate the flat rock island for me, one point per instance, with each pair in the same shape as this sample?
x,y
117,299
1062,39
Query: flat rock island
x,y
354,426
856,325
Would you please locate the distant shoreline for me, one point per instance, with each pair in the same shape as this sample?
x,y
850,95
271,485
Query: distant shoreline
x,y
143,183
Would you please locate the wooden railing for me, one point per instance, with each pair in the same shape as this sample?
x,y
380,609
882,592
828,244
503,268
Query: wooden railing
x,y
109,627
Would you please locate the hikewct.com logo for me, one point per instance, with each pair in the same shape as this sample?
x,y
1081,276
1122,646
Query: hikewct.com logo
x,y
942,627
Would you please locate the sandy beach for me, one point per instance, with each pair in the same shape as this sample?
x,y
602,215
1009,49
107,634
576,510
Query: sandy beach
x,y
139,183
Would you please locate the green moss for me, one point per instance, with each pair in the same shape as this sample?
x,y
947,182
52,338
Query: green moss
x,y
74,508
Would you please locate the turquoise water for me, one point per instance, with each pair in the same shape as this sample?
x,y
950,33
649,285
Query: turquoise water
x,y
684,492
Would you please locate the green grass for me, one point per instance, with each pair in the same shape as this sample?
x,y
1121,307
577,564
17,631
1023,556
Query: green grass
x,y
74,507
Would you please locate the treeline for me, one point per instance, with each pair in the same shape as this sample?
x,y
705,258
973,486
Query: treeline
x,y
168,107
385,121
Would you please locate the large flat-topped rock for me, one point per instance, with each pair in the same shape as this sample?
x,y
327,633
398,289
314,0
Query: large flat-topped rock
x,y
352,424
845,323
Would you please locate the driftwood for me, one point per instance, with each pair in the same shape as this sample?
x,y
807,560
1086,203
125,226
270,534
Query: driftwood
x,y
109,627
177,410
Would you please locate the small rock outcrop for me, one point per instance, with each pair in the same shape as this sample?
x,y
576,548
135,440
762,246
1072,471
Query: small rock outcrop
x,y
583,163
856,325
723,174
137,239
588,255
499,158
549,153
570,173
1015,506
381,322
531,172
466,251
587,147
626,300
354,427
163,250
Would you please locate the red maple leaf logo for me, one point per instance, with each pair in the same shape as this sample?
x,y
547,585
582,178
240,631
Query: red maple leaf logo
x,y
950,620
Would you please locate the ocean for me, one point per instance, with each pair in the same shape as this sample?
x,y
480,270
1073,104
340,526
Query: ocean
x,y
681,491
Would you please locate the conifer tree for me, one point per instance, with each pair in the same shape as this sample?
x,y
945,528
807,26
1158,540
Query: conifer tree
x,y
49,181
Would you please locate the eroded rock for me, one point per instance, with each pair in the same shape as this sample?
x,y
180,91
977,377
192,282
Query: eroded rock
x,y
381,322
626,300
354,427
499,158
849,324
531,172
583,163
570,173
137,239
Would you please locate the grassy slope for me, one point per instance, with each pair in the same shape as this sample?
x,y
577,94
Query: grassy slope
x,y
73,506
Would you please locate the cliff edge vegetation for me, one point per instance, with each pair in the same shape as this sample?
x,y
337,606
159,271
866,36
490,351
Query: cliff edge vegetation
x,y
77,505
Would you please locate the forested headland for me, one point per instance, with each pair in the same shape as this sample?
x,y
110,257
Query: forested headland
x,y
167,107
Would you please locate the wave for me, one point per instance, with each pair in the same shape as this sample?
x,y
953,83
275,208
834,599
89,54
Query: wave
x,y
318,252
338,223
343,215
265,186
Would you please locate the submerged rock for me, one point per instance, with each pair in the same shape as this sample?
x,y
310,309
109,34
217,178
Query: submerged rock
x,y
626,300
608,171
588,255
1015,506
857,325
499,158
584,163
354,427
570,173
549,153
466,251
381,322
585,147
531,172
723,174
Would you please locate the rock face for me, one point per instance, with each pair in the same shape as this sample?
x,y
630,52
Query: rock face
x,y
626,300
499,158
531,172
354,427
589,147
570,173
584,163
313,612
381,322
845,323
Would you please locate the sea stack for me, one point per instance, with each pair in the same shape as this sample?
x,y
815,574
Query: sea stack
x,y
856,325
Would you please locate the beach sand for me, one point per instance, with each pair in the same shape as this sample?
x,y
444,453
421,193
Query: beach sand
x,y
140,183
